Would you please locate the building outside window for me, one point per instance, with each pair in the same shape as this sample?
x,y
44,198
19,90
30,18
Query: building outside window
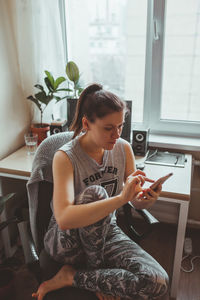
x,y
144,51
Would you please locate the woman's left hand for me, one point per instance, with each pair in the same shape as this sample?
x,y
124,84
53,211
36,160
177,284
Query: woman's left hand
x,y
147,197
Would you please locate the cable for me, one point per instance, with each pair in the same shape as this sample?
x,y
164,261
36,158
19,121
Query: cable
x,y
191,262
177,158
153,154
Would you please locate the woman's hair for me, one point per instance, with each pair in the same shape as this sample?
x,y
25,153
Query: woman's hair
x,y
94,102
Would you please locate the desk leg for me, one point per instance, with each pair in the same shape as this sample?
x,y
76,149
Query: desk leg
x,y
182,221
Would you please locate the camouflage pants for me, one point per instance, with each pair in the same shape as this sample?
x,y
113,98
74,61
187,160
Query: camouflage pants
x,y
114,264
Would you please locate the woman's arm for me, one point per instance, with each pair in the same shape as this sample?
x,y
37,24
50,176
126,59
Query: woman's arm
x,y
69,215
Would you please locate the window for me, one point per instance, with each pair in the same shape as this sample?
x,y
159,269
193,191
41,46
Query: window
x,y
181,74
175,92
108,41
144,51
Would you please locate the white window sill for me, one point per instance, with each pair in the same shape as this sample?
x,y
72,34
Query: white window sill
x,y
174,142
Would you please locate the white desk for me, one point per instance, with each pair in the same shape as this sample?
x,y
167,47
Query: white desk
x,y
18,166
175,190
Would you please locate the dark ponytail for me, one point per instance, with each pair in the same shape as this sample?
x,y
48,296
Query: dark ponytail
x,y
76,125
94,102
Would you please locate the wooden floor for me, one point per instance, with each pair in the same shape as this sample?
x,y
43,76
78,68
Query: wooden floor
x,y
160,244
189,286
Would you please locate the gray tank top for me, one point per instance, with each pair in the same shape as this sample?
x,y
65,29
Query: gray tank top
x,y
87,172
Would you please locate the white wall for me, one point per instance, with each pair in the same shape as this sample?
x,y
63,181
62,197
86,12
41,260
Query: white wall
x,y
14,107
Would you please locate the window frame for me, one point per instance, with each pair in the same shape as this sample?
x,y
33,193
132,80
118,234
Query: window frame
x,y
152,106
153,75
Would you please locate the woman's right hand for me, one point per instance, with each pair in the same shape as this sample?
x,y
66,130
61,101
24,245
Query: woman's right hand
x,y
133,185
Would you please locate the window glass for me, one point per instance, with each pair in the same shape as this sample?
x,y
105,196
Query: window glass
x,y
181,75
107,40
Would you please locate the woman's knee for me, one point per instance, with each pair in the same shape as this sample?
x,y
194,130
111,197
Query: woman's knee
x,y
157,284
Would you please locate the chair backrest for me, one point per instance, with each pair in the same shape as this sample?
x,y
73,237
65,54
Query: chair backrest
x,y
44,211
43,162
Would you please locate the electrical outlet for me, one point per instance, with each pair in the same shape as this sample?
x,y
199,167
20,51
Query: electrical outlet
x,y
188,245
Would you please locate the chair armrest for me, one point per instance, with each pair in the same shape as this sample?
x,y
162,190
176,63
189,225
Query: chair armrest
x,y
145,214
149,221
29,250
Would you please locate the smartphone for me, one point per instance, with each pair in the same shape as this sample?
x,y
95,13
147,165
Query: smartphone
x,y
160,180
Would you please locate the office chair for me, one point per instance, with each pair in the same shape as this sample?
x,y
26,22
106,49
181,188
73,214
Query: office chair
x,y
40,190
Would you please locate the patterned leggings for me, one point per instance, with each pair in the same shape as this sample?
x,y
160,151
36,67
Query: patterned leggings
x,y
115,265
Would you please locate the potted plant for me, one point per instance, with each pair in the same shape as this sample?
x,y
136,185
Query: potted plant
x,y
7,275
43,98
73,75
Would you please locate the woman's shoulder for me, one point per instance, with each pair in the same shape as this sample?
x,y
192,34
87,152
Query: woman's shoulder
x,y
69,146
71,150
119,148
123,143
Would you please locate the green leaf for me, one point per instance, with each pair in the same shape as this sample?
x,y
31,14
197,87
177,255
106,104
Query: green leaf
x,y
4,199
80,91
78,88
42,97
48,84
49,98
50,77
64,90
78,85
72,71
57,98
35,101
67,97
58,81
39,86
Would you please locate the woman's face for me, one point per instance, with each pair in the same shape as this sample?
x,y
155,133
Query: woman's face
x,y
105,131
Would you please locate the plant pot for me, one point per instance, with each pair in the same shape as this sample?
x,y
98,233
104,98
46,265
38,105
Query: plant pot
x,y
41,130
7,286
71,108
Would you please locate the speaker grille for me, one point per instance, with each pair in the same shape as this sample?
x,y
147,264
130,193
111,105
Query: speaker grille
x,y
140,141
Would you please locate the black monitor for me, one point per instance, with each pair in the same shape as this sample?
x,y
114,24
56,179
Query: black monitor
x,y
126,132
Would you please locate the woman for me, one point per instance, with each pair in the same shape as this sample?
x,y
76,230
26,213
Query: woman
x,y
95,174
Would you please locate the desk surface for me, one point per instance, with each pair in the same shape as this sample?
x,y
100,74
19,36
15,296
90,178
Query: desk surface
x,y
178,186
17,163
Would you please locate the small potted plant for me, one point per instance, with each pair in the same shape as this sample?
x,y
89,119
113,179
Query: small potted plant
x,y
43,98
7,275
73,75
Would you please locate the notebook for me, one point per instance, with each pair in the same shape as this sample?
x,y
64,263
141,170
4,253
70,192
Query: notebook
x,y
165,158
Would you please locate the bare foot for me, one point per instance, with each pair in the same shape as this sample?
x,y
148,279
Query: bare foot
x,y
106,297
63,278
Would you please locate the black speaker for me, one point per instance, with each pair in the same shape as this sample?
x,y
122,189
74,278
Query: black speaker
x,y
58,126
140,140
126,132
